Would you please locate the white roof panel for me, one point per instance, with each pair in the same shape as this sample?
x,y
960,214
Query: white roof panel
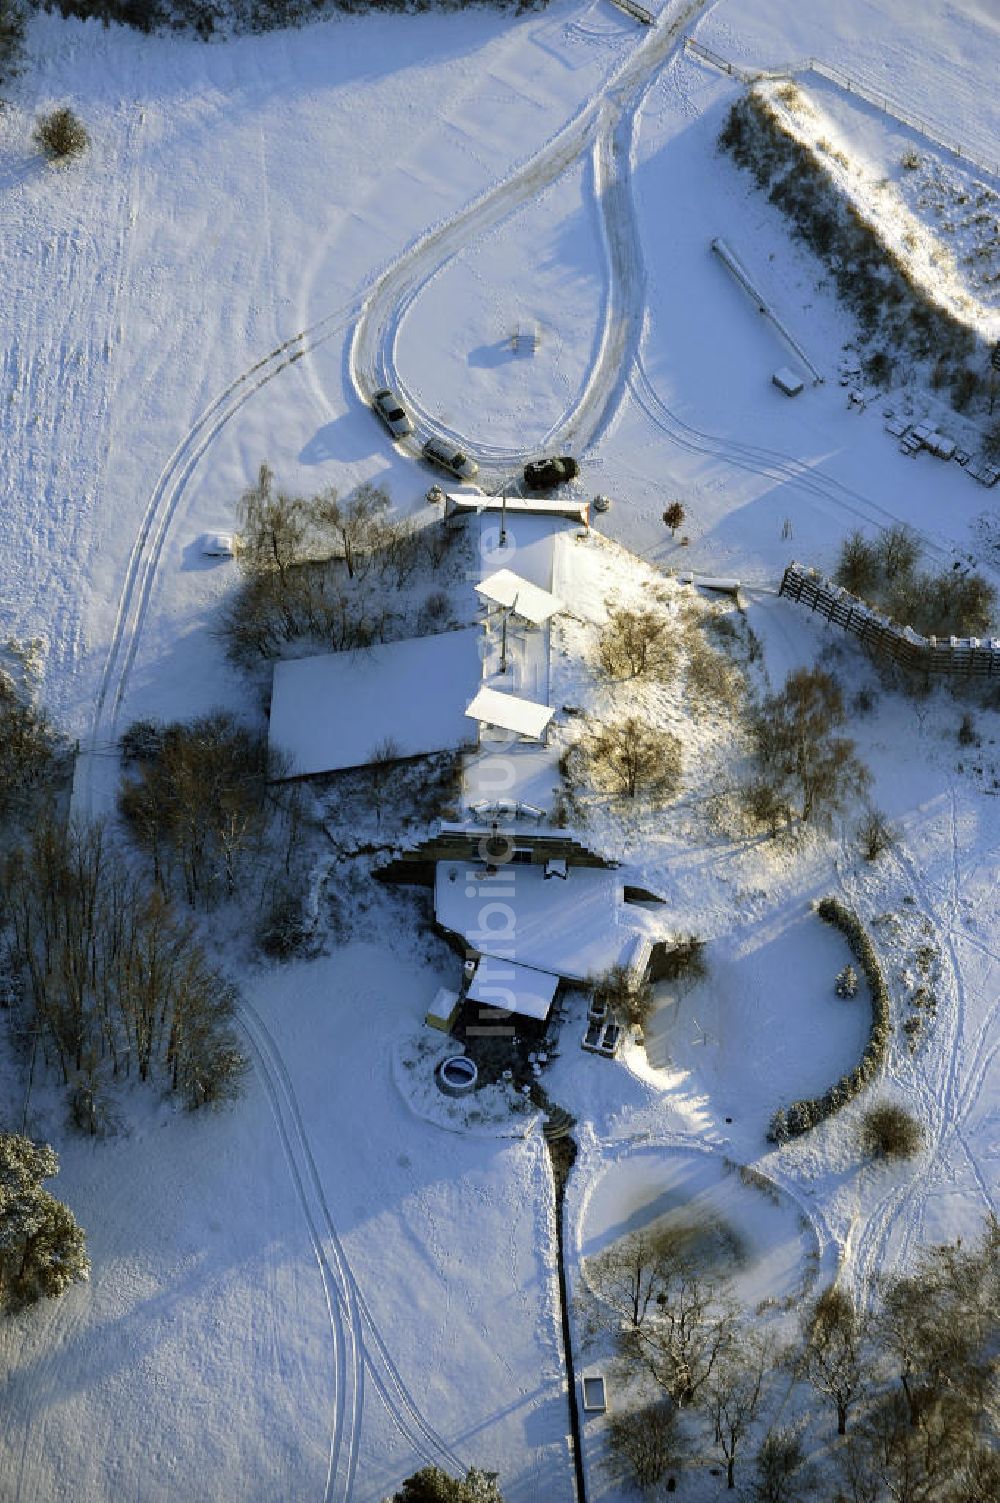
x,y
524,598
513,988
511,713
332,711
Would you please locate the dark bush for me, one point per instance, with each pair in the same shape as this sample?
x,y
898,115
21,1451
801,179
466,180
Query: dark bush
x,y
61,135
890,1132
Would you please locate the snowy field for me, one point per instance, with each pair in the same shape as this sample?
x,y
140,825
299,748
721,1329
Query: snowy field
x,y
309,1295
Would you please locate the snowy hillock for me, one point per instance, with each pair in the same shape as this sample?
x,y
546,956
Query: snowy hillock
x,y
902,286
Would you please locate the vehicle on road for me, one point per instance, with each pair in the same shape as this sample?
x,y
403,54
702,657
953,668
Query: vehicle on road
x,y
440,452
546,474
392,412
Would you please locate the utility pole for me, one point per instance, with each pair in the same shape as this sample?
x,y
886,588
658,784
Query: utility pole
x,y
503,636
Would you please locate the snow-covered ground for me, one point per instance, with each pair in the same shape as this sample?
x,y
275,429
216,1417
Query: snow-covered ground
x,y
305,1296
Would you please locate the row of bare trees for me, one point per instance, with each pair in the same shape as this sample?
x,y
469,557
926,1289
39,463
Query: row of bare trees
x,y
110,982
885,571
319,567
912,1384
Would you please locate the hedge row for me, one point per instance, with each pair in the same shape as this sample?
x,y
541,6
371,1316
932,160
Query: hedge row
x,y
801,1116
891,305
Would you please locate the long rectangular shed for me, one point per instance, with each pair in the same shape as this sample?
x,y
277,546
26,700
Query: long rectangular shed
x,y
334,711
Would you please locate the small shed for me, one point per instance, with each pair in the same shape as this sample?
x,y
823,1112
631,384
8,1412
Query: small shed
x,y
788,381
218,545
595,1393
443,1010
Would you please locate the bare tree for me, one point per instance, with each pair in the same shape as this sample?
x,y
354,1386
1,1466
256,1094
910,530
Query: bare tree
x,y
632,1274
858,568
636,642
875,834
626,994
796,745
382,759
273,529
633,757
834,1358
735,1393
358,524
898,549
693,1333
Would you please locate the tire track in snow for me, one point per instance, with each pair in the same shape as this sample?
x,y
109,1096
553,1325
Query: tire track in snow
x,y
140,573
951,1092
606,123
769,463
385,1375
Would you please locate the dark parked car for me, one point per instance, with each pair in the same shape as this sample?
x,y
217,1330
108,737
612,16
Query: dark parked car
x,y
546,474
390,410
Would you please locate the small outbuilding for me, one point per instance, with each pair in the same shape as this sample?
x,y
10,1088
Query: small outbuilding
x,y
788,381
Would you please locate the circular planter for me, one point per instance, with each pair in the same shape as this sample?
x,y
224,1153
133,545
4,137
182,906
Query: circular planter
x,y
457,1075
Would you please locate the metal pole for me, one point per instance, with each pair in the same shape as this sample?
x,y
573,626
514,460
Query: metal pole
x,y
503,520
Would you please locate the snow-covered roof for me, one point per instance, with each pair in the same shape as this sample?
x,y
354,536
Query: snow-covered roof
x,y
511,713
578,511
513,988
575,926
331,712
524,598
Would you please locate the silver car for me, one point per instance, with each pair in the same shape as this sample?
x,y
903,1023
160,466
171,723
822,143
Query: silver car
x,y
444,454
390,409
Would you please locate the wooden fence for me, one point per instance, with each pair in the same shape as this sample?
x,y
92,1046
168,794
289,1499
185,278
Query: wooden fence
x,y
639,12
897,644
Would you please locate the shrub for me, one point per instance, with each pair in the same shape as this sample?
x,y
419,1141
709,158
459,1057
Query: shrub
x,y
846,984
890,1132
967,731
645,1442
61,135
631,758
636,642
875,834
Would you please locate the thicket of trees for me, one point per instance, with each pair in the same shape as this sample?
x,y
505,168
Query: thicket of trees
x,y
898,317
320,568
907,1400
884,571
802,764
205,18
110,983
630,757
42,1249
195,797
432,1485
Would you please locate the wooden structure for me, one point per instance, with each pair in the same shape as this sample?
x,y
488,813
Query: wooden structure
x,y
897,644
461,843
